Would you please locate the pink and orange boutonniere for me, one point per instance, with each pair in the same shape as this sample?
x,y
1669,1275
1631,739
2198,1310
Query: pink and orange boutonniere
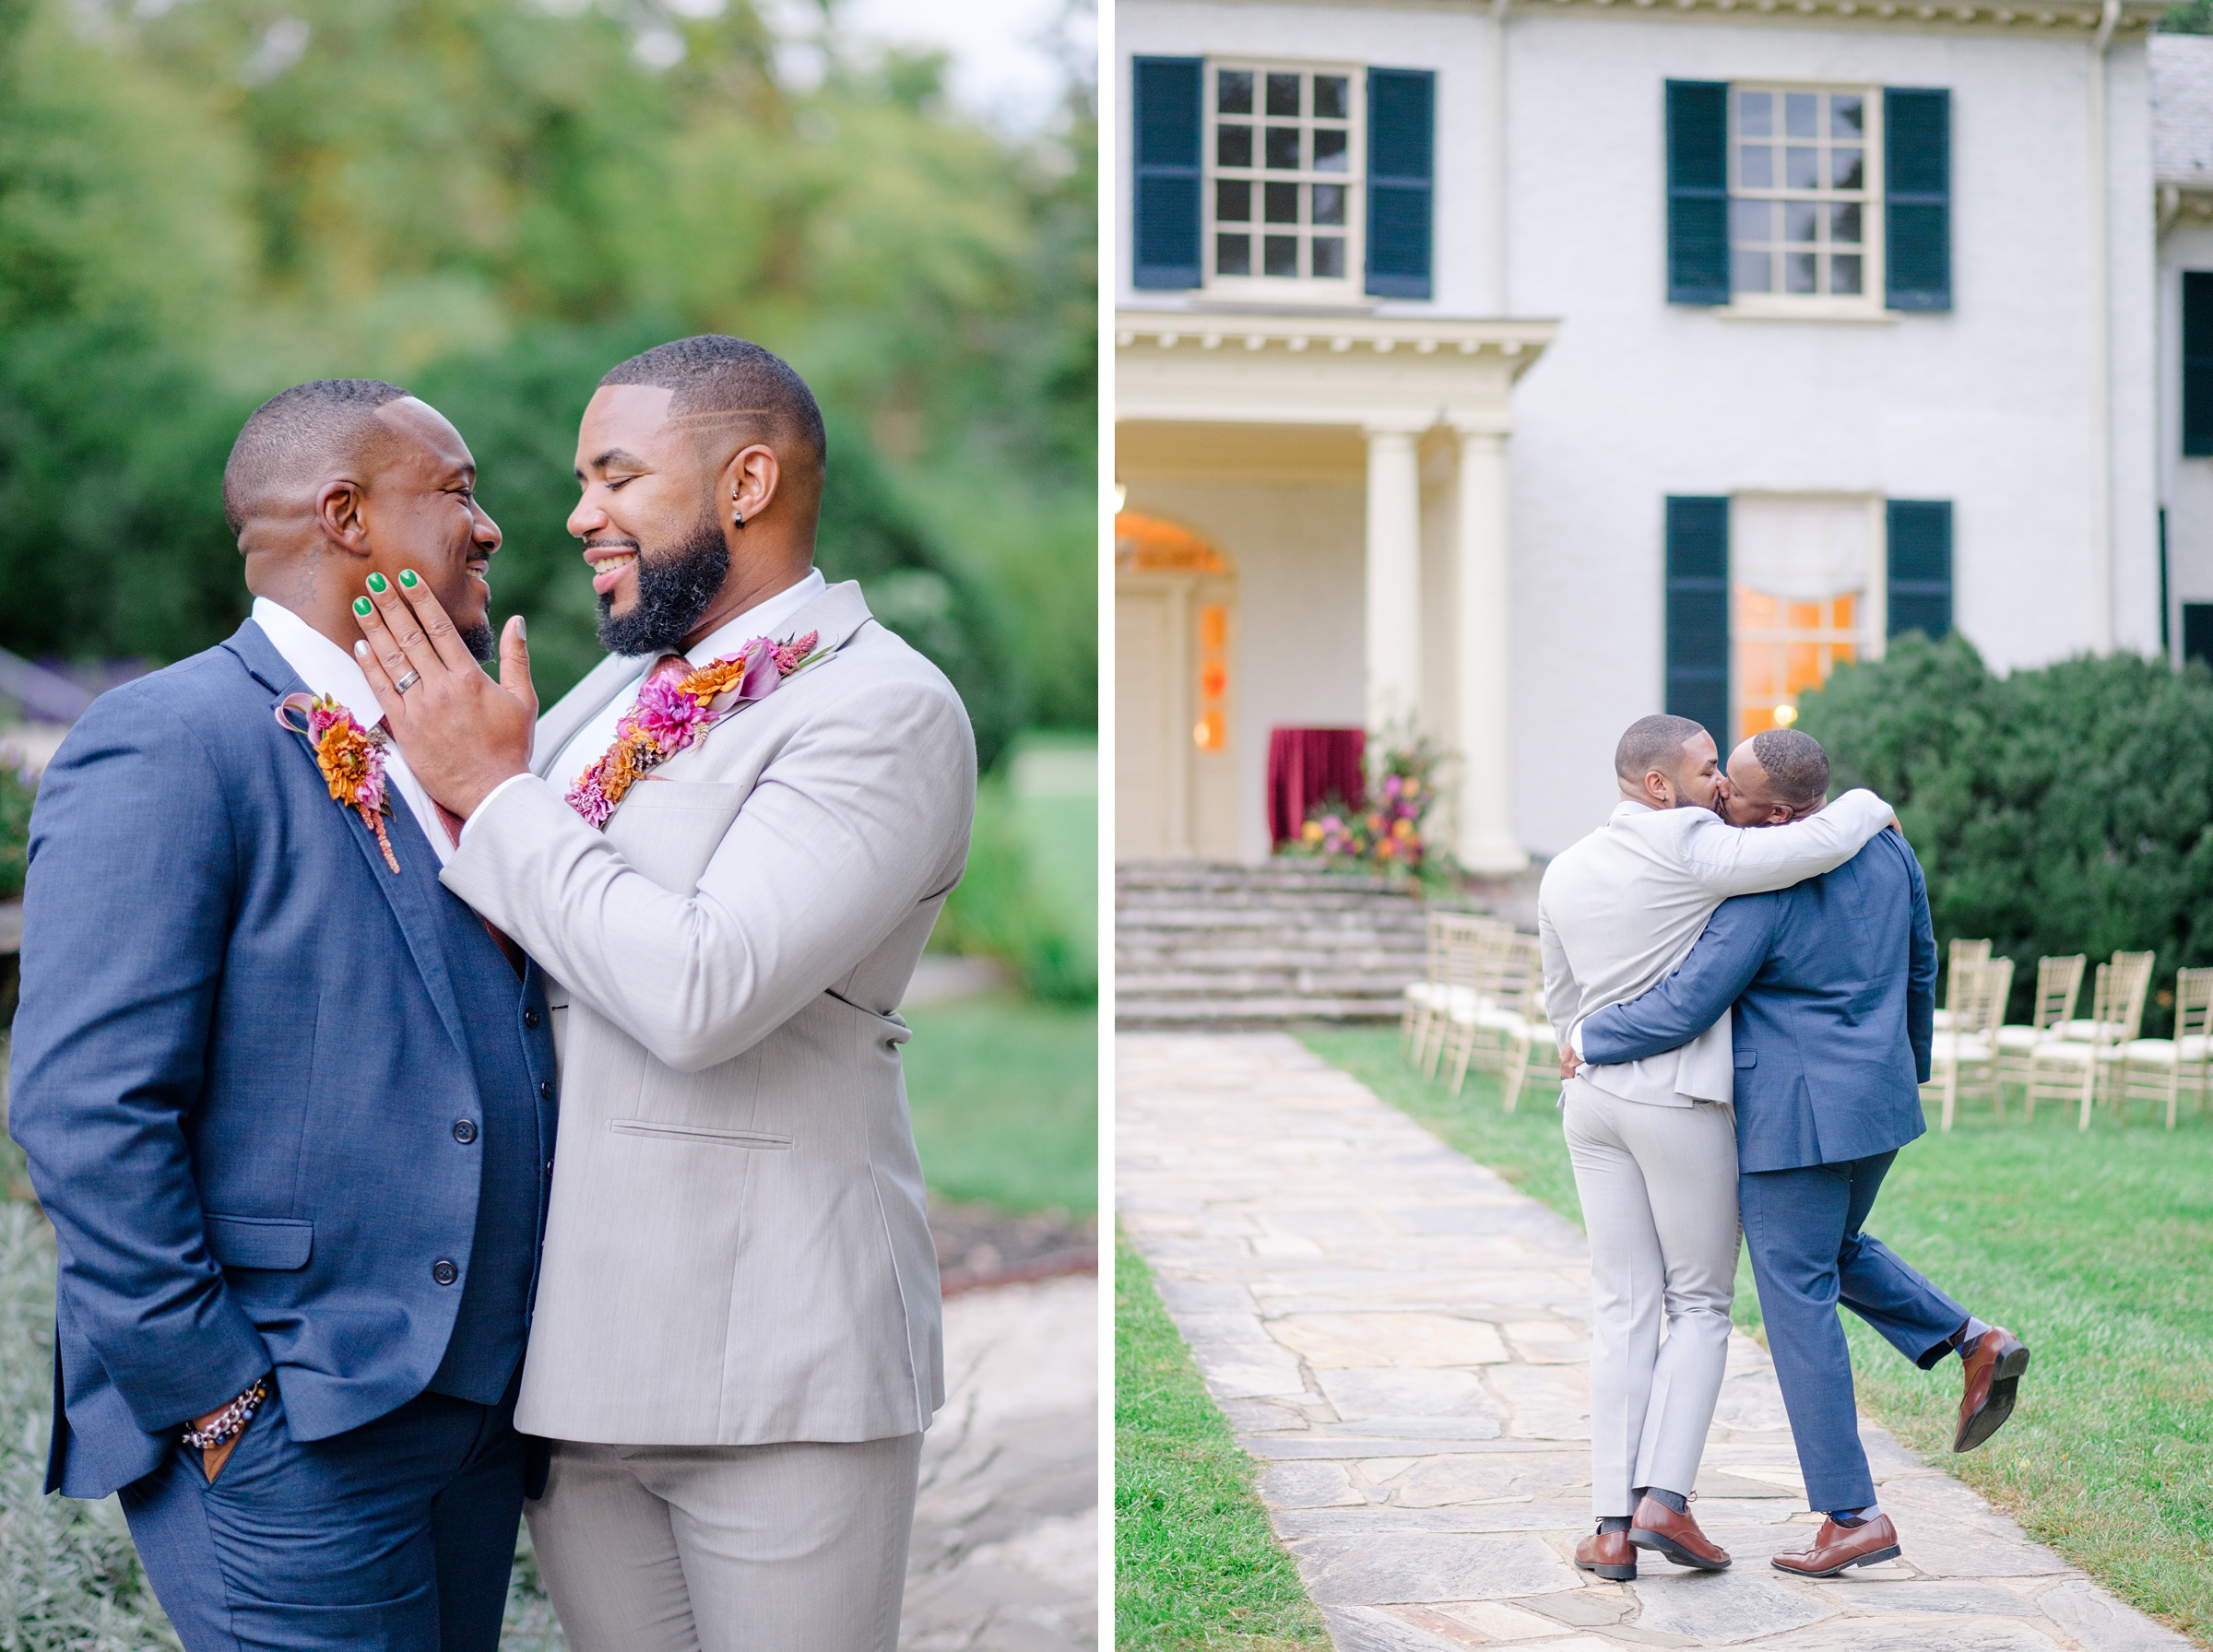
x,y
674,710
351,759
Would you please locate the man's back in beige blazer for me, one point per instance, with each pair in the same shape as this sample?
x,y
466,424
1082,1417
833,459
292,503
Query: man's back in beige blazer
x,y
736,1252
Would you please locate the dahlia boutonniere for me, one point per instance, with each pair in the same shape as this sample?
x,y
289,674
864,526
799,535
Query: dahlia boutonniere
x,y
675,708
351,759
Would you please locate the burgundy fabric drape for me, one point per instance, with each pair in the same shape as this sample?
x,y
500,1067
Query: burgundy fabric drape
x,y
1305,765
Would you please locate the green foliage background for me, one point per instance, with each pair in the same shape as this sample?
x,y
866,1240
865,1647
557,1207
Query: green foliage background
x,y
491,201
2067,808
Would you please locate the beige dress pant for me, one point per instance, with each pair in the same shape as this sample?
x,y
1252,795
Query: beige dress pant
x,y
1659,1191
785,1548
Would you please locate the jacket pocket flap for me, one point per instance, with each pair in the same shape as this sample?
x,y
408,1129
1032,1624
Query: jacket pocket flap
x,y
1747,1057
699,1133
269,1242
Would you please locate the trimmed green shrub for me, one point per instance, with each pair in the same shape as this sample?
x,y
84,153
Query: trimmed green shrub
x,y
15,834
1002,910
2067,808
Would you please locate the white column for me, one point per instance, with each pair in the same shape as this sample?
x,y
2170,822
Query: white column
x,y
1483,635
1394,579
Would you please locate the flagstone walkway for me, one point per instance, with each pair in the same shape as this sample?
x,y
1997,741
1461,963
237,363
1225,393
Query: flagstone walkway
x,y
1401,1340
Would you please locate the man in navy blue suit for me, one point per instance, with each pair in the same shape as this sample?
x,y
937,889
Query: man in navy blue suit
x,y
288,1103
1833,982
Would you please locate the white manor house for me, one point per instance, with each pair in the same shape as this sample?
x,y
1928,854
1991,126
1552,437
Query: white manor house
x,y
1517,368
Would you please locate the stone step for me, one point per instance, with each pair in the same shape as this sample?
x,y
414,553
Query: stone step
x,y
1323,943
1277,875
1378,960
1330,982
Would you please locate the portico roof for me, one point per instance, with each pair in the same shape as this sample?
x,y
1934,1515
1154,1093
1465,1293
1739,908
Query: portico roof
x,y
1291,367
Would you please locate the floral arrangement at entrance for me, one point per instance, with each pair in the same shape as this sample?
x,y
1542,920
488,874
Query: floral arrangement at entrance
x,y
1385,831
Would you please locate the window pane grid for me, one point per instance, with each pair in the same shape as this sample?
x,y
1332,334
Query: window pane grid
x,y
1783,647
1283,154
1803,212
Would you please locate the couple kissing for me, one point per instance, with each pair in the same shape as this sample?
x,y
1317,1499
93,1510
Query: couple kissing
x,y
1741,978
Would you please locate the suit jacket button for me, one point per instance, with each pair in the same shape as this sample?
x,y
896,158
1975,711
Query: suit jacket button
x,y
530,1017
443,1271
545,1089
464,1130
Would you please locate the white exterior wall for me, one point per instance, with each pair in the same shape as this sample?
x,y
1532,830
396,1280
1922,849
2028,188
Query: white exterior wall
x,y
1990,405
2185,484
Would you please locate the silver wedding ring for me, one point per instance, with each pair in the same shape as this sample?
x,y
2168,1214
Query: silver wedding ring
x,y
406,682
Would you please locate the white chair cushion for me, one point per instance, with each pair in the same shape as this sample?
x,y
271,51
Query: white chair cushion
x,y
2084,1031
1944,1020
2162,1051
2067,1052
2016,1039
1962,1046
1500,1020
1428,994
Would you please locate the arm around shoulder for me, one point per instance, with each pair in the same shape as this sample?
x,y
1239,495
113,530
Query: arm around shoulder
x,y
1730,860
1720,965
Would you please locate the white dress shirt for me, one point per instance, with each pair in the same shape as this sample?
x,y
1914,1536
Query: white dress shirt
x,y
589,743
329,670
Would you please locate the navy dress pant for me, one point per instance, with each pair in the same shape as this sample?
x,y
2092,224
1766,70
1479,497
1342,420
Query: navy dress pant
x,y
1801,1229
394,1537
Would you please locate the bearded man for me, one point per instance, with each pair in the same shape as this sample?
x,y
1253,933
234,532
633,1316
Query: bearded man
x,y
727,844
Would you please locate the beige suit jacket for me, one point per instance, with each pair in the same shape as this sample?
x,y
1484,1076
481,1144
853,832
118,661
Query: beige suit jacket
x,y
736,1252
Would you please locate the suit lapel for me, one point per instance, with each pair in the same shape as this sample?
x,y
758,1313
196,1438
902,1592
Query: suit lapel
x,y
415,894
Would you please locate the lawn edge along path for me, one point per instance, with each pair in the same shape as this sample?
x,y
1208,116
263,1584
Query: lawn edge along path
x,y
1196,1562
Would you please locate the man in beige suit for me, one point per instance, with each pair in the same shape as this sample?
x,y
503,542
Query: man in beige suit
x,y
736,1343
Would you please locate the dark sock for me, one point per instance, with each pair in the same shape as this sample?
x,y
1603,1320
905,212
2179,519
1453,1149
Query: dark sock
x,y
1674,1500
1854,1517
1968,1335
1613,1523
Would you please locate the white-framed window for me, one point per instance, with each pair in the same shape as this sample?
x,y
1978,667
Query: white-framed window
x,y
1805,206
1806,578
1284,163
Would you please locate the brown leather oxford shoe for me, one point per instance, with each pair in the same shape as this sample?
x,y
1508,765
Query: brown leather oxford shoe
x,y
1608,1553
1659,1527
1993,1373
1838,1547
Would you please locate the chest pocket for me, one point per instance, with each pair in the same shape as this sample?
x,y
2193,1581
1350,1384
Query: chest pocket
x,y
671,829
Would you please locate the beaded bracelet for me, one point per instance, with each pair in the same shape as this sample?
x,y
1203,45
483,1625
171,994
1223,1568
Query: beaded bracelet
x,y
231,1419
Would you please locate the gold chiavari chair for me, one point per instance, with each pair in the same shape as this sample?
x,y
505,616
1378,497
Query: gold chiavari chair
x,y
2058,985
1474,948
2160,1070
1970,1045
1962,953
2081,1068
1481,1036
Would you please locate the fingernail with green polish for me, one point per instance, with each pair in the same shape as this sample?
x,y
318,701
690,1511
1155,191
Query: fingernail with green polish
x,y
362,606
406,578
376,582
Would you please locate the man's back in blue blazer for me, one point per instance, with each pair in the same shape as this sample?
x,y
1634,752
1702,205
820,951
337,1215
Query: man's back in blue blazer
x,y
1834,984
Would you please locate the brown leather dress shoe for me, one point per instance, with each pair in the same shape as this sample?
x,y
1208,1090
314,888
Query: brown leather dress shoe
x,y
1841,1546
1657,1526
1994,1372
1608,1553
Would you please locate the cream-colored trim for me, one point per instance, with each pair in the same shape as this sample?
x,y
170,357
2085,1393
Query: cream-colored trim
x,y
2136,20
1803,310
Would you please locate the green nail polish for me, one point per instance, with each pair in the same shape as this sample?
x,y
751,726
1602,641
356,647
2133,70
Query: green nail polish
x,y
376,582
362,606
406,578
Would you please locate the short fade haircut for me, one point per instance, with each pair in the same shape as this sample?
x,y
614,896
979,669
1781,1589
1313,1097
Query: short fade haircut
x,y
309,427
1653,742
1796,767
715,373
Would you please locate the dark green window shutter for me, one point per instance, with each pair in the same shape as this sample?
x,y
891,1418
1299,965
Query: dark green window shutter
x,y
1917,198
1164,231
1920,567
2197,361
1697,193
1402,119
1697,613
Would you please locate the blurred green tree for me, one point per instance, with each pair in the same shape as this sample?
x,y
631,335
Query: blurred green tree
x,y
491,201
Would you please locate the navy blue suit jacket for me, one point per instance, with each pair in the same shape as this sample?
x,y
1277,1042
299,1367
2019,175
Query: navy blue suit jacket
x,y
1834,981
266,1087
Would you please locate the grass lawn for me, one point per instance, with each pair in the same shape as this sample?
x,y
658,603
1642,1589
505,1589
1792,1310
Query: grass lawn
x,y
2097,1249
1004,1093
1195,1564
